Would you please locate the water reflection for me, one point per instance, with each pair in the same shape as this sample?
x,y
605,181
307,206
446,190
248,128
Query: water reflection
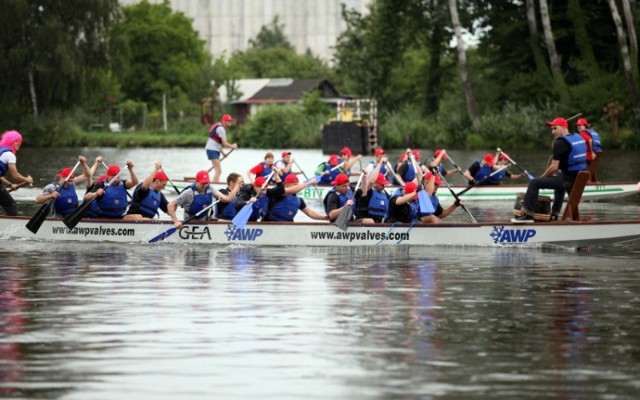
x,y
12,322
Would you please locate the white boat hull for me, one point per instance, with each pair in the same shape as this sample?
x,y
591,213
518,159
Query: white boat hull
x,y
565,234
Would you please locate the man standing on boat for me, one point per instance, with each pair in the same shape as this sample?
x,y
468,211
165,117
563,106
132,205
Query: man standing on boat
x,y
216,142
9,145
569,158
148,197
63,189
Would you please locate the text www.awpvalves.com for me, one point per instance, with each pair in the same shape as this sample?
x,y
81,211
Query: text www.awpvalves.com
x,y
93,231
351,236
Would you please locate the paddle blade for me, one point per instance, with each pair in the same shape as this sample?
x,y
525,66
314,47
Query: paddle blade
x,y
344,217
163,235
74,218
426,206
38,218
242,217
530,176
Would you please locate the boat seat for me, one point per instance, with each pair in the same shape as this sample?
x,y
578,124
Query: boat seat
x,y
571,209
593,167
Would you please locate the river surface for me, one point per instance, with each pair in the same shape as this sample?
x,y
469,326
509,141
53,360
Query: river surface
x,y
108,321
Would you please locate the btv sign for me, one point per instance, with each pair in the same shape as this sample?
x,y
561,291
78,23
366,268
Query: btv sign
x,y
502,235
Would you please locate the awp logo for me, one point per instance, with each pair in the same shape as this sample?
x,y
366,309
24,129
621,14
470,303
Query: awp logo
x,y
501,235
251,234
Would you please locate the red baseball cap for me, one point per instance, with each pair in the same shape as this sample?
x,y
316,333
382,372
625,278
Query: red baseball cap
x,y
333,160
558,122
202,177
347,151
410,187
259,182
504,156
378,152
160,175
582,121
382,180
488,158
66,172
291,178
113,170
416,154
341,179
285,153
438,181
437,153
227,118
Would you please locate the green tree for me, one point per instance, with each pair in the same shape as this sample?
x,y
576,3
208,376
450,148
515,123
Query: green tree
x,y
271,36
165,54
54,53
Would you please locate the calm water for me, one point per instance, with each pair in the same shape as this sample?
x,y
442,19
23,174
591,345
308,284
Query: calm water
x,y
179,322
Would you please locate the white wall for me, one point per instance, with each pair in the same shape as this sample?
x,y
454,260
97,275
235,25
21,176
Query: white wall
x,y
228,25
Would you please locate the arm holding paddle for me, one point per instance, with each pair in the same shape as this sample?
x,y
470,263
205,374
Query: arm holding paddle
x,y
522,169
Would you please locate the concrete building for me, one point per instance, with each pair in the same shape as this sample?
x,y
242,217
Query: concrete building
x,y
227,25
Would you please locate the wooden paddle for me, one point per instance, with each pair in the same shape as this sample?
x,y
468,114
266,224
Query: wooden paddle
x,y
514,163
173,230
460,193
74,218
307,178
346,213
18,186
397,178
38,218
435,170
426,206
242,217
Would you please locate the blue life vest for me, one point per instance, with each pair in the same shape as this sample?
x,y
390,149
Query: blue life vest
x,y
284,175
410,174
4,167
113,203
328,178
483,172
286,209
200,200
383,167
595,140
577,160
342,198
413,208
148,206
265,170
498,175
67,202
378,203
259,208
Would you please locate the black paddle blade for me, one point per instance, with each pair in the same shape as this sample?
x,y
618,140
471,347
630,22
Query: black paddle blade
x,y
344,217
74,218
38,218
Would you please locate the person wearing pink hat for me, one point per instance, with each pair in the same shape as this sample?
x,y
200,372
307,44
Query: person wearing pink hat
x,y
594,144
111,194
569,157
326,171
10,143
283,206
148,197
375,201
216,142
63,189
432,181
196,197
403,204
